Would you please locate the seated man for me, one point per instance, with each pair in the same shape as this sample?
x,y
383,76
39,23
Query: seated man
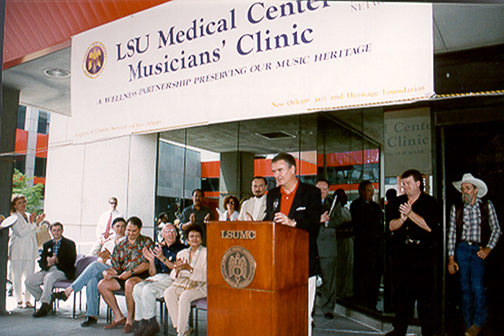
x,y
93,273
128,267
57,263
161,261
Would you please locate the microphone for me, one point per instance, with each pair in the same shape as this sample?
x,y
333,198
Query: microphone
x,y
276,202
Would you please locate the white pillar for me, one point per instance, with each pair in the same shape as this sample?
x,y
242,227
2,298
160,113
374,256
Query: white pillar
x,y
82,177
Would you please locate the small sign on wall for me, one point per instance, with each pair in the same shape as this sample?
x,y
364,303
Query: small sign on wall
x,y
408,141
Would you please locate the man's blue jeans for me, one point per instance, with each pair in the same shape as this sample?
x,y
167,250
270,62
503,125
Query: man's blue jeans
x,y
90,278
472,272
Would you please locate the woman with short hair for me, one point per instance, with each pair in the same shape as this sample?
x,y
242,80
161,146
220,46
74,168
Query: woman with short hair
x,y
189,280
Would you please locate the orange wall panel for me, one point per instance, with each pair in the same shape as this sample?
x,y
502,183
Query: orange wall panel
x,y
21,140
210,169
42,143
262,167
38,180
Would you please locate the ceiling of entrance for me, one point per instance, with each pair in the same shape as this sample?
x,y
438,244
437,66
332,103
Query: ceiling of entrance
x,y
456,27
329,132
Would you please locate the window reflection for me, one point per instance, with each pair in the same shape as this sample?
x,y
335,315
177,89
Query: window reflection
x,y
343,147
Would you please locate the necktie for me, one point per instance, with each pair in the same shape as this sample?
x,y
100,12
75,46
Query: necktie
x,y
107,228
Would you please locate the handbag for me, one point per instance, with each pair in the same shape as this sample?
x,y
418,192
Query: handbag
x,y
43,235
184,283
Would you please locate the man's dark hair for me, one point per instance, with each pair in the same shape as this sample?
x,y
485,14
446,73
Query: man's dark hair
x,y
198,189
391,194
135,221
417,177
113,198
363,185
162,214
322,180
289,159
57,224
260,178
339,193
118,219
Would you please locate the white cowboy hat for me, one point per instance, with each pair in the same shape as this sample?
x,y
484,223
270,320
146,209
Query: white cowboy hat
x,y
468,178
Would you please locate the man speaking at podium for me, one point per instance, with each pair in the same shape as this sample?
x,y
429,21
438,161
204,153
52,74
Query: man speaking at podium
x,y
296,204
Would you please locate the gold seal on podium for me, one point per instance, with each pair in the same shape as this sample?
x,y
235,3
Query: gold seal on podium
x,y
238,267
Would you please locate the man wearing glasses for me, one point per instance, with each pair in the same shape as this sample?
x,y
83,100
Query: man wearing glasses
x,y
161,259
104,227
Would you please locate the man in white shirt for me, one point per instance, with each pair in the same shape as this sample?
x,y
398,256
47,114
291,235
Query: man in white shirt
x,y
254,208
104,227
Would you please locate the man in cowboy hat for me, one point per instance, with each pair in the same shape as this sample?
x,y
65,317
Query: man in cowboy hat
x,y
474,232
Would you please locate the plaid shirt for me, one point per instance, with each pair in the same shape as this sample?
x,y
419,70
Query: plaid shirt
x,y
56,247
471,230
128,256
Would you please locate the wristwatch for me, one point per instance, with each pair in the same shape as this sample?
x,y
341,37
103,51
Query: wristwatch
x,y
132,272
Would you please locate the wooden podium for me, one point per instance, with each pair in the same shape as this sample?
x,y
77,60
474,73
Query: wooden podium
x,y
257,279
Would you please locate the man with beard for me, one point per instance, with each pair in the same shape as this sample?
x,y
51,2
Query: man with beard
x,y
254,208
473,234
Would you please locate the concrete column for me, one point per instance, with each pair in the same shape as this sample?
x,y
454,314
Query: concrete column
x,y
236,172
8,122
142,180
31,125
81,178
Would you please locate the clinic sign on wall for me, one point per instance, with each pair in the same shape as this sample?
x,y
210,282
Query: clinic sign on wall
x,y
190,62
408,141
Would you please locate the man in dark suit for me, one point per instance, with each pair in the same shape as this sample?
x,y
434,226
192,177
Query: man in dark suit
x,y
326,243
296,204
367,221
57,263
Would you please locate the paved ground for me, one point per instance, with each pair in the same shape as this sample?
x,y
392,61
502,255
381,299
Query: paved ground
x,y
20,322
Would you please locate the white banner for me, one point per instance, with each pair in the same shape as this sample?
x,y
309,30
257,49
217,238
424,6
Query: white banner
x,y
408,141
190,62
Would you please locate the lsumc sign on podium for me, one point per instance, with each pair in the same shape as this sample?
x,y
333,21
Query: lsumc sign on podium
x,y
257,279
